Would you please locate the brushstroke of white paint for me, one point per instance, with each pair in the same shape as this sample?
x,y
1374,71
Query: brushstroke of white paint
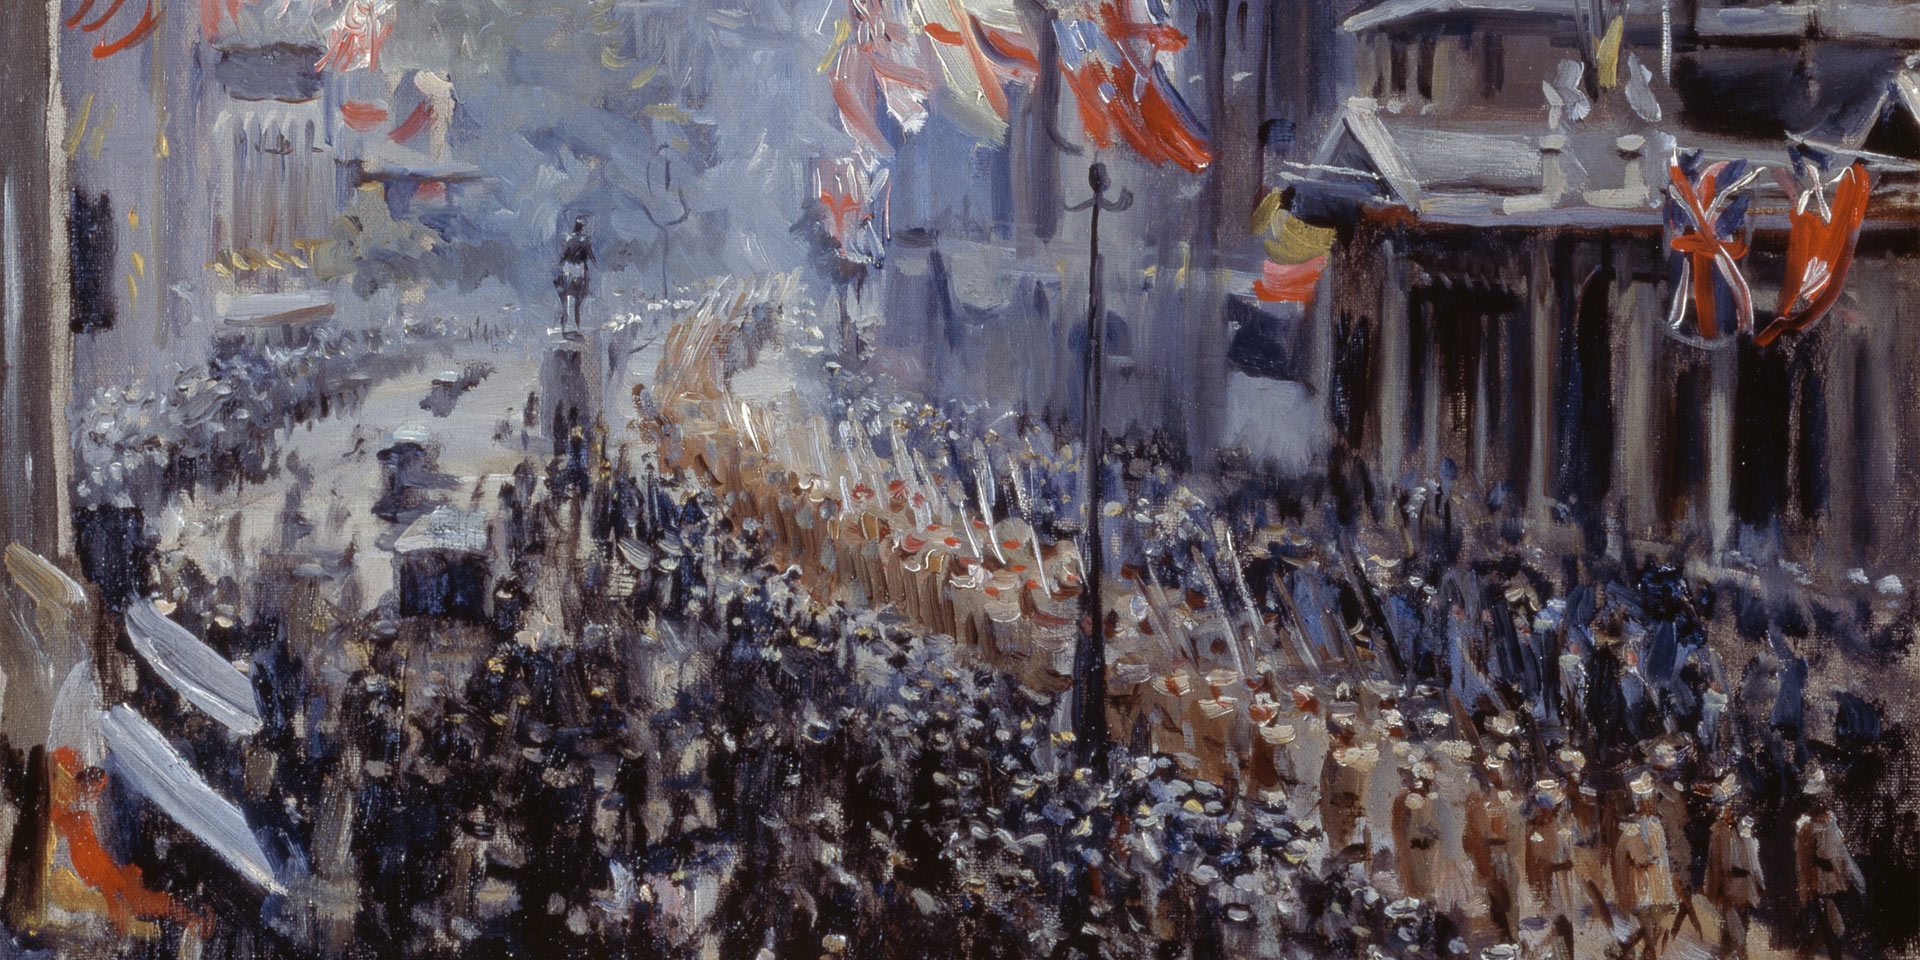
x,y
746,417
1666,40
208,680
58,279
1363,120
76,716
156,771
15,320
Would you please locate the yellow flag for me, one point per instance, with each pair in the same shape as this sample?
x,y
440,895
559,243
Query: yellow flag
x,y
667,111
100,131
78,127
841,29
1607,54
1265,214
1296,242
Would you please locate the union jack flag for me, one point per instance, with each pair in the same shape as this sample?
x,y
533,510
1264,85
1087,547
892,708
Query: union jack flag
x,y
1706,209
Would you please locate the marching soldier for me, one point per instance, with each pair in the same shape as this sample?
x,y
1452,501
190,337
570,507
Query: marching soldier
x,y
1734,883
1493,814
1343,781
1549,859
1416,839
1643,870
1827,870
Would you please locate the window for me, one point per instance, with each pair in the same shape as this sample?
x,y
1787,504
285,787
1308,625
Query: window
x,y
1265,344
1764,397
90,231
1493,66
1423,74
1119,338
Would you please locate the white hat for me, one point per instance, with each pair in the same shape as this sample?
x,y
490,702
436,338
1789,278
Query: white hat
x,y
1816,781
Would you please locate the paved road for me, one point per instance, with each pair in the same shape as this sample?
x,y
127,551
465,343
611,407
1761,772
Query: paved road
x,y
225,533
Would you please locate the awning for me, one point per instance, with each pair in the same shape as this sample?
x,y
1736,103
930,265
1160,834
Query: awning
x,y
291,318
445,530
201,675
149,764
277,309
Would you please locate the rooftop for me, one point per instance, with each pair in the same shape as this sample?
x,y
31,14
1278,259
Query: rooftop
x,y
1383,13
1608,172
1862,21
445,530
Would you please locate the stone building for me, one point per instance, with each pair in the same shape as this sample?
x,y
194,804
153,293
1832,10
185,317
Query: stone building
x,y
1502,288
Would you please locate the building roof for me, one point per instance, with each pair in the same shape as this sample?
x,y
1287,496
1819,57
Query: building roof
x,y
1852,124
445,530
1866,21
1384,13
1486,173
407,433
1417,159
1884,21
274,71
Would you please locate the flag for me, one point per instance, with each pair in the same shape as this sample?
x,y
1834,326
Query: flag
x,y
354,39
1288,283
1111,63
1819,252
1296,253
1705,211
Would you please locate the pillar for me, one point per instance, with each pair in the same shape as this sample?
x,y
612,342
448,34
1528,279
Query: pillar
x,y
1393,386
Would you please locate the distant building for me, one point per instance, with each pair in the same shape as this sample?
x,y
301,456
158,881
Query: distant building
x,y
211,161
983,295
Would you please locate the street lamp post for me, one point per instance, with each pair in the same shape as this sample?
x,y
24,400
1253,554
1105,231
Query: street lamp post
x,y
1090,657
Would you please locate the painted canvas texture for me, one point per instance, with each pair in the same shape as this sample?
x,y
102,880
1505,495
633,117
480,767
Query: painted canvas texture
x,y
766,479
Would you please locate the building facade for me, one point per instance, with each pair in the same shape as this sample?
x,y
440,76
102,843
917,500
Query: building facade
x,y
1503,288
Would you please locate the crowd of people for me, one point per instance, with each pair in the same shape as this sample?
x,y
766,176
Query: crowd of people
x,y
141,447
1554,774
665,737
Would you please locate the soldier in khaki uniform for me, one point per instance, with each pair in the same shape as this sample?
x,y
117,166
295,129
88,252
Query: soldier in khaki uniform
x,y
1343,789
1827,872
1549,860
1416,839
1493,823
1643,870
1734,882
